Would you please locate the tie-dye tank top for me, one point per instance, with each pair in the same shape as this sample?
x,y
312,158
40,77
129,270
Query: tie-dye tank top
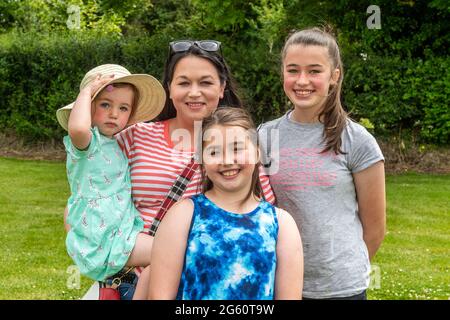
x,y
229,256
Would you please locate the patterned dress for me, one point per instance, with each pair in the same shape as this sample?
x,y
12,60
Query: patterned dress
x,y
104,222
229,256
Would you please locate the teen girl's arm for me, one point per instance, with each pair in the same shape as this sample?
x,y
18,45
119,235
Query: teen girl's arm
x,y
169,248
289,274
79,125
370,191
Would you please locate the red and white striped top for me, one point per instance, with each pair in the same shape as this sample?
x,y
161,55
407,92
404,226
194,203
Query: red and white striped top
x,y
155,164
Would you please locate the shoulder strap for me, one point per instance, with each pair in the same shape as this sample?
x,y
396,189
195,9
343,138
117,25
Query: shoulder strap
x,y
174,194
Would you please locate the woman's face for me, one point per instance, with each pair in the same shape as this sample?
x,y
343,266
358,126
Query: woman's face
x,y
195,89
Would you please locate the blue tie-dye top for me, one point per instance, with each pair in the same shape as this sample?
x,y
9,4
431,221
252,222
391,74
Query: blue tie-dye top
x,y
229,256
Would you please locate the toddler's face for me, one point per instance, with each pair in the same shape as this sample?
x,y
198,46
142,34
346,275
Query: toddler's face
x,y
111,109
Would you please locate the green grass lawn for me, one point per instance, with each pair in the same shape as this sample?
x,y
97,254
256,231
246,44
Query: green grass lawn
x,y
34,263
413,262
414,259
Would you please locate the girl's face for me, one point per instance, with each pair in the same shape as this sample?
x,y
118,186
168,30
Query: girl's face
x,y
111,109
307,76
229,157
195,88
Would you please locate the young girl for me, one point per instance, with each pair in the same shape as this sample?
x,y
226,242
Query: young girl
x,y
105,226
329,171
227,243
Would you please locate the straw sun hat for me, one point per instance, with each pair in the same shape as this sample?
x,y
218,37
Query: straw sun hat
x,y
151,93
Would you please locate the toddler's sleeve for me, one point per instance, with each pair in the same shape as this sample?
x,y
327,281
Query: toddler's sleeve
x,y
75,153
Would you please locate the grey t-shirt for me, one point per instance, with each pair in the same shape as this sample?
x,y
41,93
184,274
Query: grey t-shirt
x,y
318,191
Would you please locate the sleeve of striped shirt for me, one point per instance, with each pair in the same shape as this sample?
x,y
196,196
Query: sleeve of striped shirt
x,y
125,140
267,189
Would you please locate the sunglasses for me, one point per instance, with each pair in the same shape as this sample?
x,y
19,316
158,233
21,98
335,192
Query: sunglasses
x,y
185,45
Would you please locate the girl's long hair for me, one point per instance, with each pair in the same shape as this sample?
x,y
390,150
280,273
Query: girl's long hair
x,y
333,115
230,117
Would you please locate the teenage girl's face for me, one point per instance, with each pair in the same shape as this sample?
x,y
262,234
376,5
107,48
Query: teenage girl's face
x,y
229,157
195,89
307,76
112,109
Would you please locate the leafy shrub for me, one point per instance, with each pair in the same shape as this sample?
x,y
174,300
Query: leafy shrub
x,y
40,74
388,80
401,95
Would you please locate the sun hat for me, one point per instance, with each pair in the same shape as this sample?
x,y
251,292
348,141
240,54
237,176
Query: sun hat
x,y
151,93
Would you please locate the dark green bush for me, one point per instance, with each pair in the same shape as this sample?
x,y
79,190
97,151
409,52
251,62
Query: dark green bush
x,y
401,95
41,73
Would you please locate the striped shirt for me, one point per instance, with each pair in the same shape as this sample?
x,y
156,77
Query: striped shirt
x,y
155,164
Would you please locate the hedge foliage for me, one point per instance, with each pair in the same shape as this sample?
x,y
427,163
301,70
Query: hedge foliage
x,y
397,94
395,78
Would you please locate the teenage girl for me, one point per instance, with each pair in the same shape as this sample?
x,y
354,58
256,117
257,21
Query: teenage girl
x,y
326,170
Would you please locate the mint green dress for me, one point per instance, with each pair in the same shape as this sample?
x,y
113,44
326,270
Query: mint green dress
x,y
104,222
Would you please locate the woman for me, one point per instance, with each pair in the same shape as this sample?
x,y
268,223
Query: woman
x,y
197,80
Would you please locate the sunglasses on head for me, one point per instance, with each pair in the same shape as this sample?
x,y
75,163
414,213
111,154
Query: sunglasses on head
x,y
185,45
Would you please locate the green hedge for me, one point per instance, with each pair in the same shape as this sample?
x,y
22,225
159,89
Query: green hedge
x,y
40,73
409,95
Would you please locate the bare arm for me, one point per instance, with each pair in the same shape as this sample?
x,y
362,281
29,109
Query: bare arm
x,y
80,120
80,117
289,274
169,248
370,191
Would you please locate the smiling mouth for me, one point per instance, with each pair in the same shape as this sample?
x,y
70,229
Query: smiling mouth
x,y
230,173
195,105
303,93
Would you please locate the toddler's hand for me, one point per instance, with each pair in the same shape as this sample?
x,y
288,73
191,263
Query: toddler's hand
x,y
97,83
